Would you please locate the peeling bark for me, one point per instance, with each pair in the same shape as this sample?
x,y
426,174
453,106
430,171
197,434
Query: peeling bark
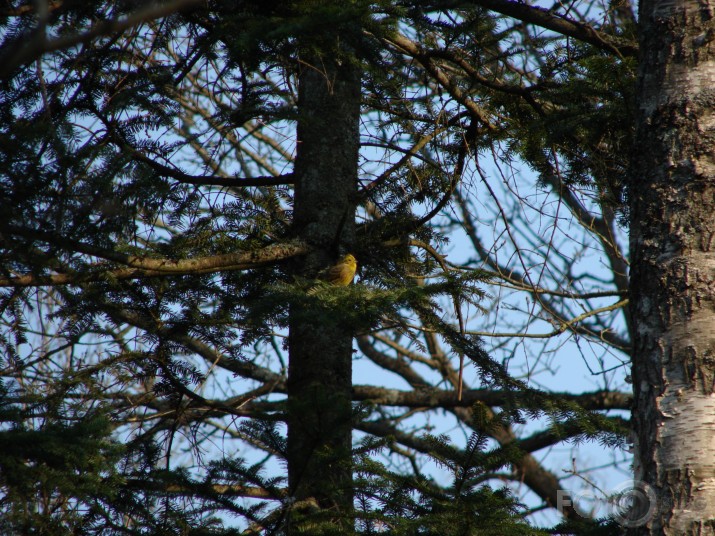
x,y
673,266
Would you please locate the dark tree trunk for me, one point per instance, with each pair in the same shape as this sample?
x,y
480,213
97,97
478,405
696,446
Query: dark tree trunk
x,y
673,267
320,371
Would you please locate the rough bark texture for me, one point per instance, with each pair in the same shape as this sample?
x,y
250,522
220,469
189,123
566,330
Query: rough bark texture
x,y
319,381
673,266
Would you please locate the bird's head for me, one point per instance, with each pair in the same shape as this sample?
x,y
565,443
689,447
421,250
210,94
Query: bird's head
x,y
349,259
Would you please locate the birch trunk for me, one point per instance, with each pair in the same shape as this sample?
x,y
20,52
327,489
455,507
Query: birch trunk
x,y
673,266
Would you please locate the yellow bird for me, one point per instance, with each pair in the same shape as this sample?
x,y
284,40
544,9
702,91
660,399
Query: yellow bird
x,y
342,273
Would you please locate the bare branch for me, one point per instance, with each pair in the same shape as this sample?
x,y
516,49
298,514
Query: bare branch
x,y
546,18
598,400
28,48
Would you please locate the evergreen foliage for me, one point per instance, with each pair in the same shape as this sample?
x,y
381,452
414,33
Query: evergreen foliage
x,y
149,261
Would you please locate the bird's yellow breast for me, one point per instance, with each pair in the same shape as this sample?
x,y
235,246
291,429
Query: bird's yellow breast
x,y
342,273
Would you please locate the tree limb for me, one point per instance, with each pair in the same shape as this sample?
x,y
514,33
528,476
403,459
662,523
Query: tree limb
x,y
546,18
28,48
138,267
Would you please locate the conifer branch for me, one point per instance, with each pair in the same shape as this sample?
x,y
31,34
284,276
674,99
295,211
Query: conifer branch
x,y
424,398
414,50
211,180
28,48
548,438
245,369
138,267
547,19
201,489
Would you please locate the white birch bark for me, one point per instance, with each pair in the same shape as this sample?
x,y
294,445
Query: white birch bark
x,y
672,193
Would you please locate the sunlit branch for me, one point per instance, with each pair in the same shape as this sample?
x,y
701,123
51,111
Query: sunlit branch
x,y
138,267
599,400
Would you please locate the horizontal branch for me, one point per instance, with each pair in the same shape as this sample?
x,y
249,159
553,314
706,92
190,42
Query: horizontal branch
x,y
547,19
203,490
212,180
422,398
138,267
549,438
249,404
